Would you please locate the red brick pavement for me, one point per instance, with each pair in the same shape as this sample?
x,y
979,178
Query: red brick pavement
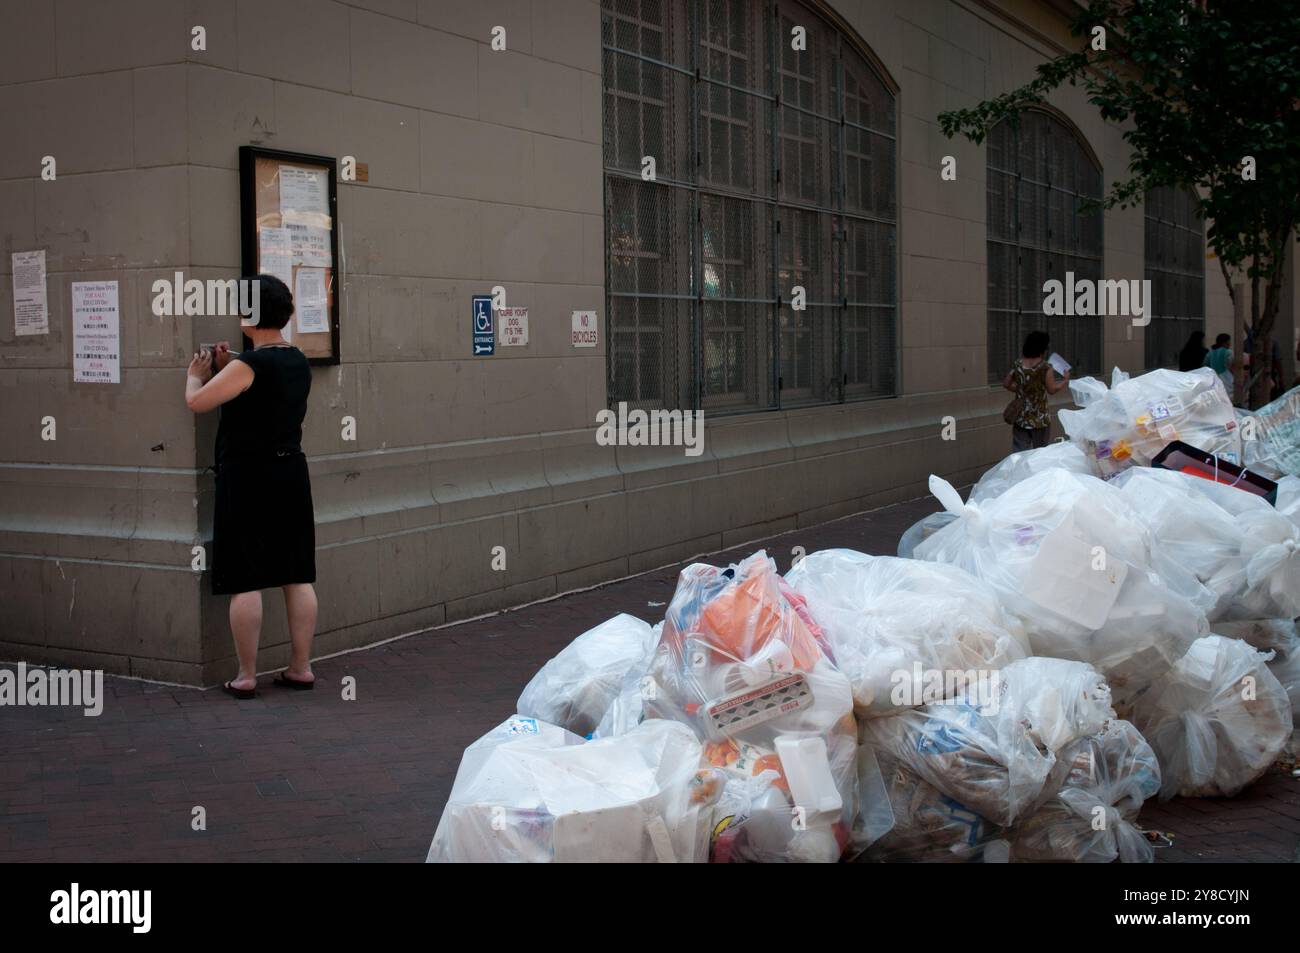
x,y
297,776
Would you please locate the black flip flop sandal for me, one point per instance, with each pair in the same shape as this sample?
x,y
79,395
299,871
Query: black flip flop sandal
x,y
244,693
286,682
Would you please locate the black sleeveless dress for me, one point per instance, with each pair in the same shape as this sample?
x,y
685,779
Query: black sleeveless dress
x,y
264,527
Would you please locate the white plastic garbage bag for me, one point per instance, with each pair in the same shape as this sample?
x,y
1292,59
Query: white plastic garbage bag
x,y
1280,637
1018,467
576,688
532,792
1196,532
984,762
1250,550
875,816
1068,556
1217,720
905,632
927,826
1092,818
742,661
1288,498
1137,418
760,819
1273,449
958,772
922,530
1055,700
626,711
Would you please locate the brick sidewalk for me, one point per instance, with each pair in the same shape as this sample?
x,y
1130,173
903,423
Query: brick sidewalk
x,y
296,776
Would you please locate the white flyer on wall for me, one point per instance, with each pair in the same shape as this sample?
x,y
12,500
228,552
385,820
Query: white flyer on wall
x,y
31,308
304,191
274,256
96,333
309,301
309,245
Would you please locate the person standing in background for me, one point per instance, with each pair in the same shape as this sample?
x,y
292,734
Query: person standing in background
x,y
1193,353
1219,360
1032,379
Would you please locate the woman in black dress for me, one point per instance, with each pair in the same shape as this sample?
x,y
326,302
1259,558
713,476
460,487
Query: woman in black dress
x,y
264,533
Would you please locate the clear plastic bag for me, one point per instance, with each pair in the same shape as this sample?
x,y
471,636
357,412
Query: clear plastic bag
x,y
982,761
1055,700
1274,450
1069,556
1243,548
1278,636
928,825
1018,467
1217,720
743,663
920,531
1138,417
1092,818
532,792
1197,533
1288,498
576,688
958,772
902,630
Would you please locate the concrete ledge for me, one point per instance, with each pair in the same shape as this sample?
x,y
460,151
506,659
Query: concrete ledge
x,y
406,536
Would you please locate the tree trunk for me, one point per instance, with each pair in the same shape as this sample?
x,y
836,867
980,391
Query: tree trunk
x,y
1261,356
1261,359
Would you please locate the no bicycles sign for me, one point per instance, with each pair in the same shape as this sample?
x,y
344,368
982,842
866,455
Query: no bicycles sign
x,y
584,329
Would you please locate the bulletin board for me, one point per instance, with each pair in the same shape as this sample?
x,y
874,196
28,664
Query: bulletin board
x,y
289,228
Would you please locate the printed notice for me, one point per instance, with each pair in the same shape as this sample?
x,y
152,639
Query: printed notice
x,y
512,327
31,310
96,333
274,257
304,191
309,301
309,245
584,329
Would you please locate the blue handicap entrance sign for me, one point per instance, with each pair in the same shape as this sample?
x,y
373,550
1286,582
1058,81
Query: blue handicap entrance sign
x,y
485,338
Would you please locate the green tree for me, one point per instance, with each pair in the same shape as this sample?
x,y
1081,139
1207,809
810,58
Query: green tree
x,y
1201,85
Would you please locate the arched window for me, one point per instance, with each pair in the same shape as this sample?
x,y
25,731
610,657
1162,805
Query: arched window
x,y
739,169
1175,266
1038,175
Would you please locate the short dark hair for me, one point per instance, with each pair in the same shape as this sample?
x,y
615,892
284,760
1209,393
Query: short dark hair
x,y
275,303
1035,344
1222,338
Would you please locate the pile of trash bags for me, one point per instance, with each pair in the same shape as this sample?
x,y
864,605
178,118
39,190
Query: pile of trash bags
x,y
1129,424
1068,556
1083,633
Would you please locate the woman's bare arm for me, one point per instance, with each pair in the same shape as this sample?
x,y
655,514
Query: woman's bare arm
x,y
1055,385
231,381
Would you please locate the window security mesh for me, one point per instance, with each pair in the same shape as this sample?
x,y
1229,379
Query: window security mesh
x,y
773,168
1038,174
1175,266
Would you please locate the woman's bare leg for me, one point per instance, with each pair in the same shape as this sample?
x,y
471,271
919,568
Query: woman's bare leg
x,y
246,626
300,606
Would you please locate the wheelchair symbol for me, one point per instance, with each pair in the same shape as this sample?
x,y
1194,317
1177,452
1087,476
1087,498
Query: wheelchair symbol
x,y
483,316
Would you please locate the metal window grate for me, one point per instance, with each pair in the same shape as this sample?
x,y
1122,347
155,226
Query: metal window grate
x,y
773,168
1175,266
1038,174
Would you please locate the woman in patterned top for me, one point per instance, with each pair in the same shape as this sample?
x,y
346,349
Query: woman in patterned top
x,y
1032,379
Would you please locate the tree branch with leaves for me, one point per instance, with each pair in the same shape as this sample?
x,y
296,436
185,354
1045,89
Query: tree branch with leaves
x,y
1209,97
